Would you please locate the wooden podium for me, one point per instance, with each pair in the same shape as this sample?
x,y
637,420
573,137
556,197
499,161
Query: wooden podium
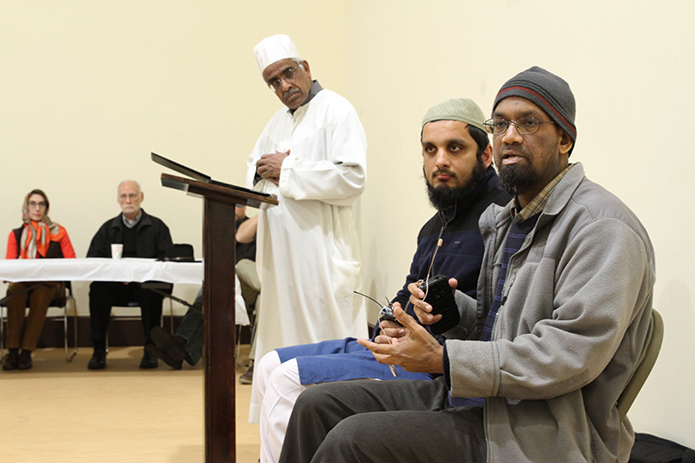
x,y
219,245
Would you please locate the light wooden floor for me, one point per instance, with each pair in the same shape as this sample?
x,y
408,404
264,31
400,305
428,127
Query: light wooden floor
x,y
61,412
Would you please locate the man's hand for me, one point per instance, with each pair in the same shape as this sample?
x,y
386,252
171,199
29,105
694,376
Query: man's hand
x,y
269,166
423,309
390,331
417,351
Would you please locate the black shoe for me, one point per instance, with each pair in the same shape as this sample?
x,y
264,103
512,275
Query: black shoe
x,y
148,361
171,345
24,362
98,360
11,360
161,355
247,378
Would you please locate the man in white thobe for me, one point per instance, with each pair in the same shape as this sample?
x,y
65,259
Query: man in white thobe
x,y
312,155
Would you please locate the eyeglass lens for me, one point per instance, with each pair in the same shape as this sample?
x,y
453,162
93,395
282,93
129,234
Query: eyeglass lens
x,y
525,125
287,74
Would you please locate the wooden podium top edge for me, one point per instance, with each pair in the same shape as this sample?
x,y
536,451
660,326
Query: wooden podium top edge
x,y
218,192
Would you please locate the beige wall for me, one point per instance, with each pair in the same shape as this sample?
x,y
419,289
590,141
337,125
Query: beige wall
x,y
90,88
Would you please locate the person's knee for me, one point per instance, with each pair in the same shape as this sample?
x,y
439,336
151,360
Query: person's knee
x,y
265,367
100,293
351,428
285,372
41,296
15,288
309,399
319,397
97,286
356,438
283,383
19,300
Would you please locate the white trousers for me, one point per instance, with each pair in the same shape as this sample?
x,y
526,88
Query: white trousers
x,y
278,387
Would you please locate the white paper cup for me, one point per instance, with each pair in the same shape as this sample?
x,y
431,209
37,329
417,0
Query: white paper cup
x,y
116,251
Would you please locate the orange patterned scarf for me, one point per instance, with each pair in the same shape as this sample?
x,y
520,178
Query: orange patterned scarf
x,y
37,236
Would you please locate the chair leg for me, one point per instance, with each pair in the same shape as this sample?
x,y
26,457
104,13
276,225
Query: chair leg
x,y
69,305
171,316
2,333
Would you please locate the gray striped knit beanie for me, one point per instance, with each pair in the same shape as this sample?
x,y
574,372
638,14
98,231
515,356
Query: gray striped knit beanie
x,y
547,91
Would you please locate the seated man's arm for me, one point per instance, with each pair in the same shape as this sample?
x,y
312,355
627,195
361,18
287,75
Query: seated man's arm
x,y
246,232
100,245
559,337
164,241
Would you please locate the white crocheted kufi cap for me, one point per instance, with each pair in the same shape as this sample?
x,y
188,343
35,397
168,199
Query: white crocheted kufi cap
x,y
274,48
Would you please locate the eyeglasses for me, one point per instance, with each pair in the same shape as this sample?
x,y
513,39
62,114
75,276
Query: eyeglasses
x,y
524,125
39,204
288,74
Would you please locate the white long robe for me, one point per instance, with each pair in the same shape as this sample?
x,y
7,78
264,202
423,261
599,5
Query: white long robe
x,y
307,247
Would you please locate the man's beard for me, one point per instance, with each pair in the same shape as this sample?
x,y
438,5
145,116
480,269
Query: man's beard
x,y
444,197
516,179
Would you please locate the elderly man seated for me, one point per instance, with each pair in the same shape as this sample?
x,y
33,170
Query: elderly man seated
x,y
142,235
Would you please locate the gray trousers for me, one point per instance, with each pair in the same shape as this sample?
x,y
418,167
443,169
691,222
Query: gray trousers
x,y
382,421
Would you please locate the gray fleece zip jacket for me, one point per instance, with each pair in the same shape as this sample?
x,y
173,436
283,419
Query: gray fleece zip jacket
x,y
572,326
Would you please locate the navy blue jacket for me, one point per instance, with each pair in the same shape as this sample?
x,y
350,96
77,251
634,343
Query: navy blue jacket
x,y
462,248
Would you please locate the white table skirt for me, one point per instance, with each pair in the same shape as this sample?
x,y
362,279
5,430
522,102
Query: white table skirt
x,y
100,269
105,269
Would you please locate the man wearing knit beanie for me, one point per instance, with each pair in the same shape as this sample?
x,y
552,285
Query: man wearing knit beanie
x,y
541,357
546,90
530,111
461,184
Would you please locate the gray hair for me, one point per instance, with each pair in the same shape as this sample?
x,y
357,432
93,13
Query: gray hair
x,y
299,63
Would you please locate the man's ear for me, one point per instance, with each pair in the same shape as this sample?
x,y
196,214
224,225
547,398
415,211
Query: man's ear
x,y
566,143
305,65
486,157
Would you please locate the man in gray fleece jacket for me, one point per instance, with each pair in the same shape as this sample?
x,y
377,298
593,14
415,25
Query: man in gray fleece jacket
x,y
534,368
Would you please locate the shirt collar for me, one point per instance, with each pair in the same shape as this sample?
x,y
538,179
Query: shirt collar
x,y
131,223
538,203
315,89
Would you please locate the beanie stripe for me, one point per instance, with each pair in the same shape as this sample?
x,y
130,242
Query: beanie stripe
x,y
570,125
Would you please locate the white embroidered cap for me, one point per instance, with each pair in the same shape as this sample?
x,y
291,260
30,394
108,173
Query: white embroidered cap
x,y
274,48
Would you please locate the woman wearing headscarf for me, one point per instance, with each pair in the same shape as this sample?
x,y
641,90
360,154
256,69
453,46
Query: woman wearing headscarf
x,y
37,238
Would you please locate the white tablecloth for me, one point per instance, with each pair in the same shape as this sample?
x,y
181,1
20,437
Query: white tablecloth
x,y
100,269
105,269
